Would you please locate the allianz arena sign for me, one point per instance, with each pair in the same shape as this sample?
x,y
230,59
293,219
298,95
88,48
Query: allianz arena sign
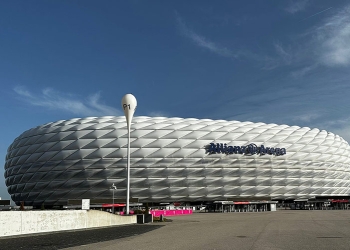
x,y
251,149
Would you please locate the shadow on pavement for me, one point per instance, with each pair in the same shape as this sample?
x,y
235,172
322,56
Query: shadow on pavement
x,y
59,240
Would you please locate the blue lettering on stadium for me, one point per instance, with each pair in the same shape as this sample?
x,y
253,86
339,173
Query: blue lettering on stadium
x,y
251,149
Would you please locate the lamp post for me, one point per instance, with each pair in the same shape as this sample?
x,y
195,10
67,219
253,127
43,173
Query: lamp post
x,y
113,187
129,105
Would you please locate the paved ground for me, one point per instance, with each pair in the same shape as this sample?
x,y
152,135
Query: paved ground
x,y
286,229
67,239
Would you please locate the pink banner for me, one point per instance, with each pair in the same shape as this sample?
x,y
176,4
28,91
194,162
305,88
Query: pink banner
x,y
157,213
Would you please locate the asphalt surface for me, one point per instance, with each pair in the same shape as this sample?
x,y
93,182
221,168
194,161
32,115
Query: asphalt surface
x,y
286,229
67,239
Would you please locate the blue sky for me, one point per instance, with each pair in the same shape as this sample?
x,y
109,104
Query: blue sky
x,y
283,62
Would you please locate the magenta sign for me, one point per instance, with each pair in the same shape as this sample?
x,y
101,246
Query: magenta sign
x,y
158,213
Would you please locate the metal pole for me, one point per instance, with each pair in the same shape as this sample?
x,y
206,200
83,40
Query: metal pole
x,y
113,187
128,177
129,105
113,201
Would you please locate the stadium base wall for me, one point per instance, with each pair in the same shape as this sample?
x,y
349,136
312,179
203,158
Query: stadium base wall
x,y
30,222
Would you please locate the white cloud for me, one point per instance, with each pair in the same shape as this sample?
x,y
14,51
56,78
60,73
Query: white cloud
x,y
339,127
158,114
203,42
281,57
344,132
282,53
327,45
23,92
303,71
306,117
333,39
55,100
296,6
267,62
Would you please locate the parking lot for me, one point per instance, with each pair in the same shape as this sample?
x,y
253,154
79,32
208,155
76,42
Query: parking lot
x,y
283,229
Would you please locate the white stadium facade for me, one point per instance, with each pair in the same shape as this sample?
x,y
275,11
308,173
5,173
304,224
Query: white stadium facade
x,y
175,160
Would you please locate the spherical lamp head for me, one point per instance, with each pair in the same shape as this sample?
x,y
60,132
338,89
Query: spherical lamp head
x,y
129,105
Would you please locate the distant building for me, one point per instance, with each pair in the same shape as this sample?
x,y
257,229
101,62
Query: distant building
x,y
175,160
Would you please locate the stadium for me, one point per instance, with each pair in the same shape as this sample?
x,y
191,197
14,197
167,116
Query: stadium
x,y
175,160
